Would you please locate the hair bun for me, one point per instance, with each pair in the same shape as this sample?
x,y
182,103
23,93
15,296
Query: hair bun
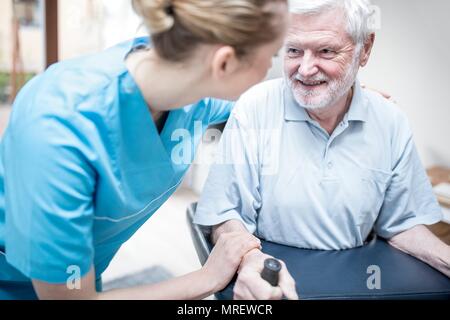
x,y
158,14
178,27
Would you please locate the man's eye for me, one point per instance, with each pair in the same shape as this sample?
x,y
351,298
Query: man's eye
x,y
327,52
293,51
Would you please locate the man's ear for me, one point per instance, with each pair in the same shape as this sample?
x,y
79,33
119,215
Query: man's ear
x,y
224,62
367,50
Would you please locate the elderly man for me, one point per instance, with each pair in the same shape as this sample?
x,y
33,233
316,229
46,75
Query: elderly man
x,y
318,162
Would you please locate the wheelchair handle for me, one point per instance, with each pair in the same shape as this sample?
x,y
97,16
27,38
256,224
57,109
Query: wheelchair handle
x,y
271,271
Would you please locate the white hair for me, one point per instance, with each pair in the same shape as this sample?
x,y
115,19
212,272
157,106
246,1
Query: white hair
x,y
359,14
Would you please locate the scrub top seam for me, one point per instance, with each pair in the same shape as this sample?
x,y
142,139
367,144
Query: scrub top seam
x,y
142,210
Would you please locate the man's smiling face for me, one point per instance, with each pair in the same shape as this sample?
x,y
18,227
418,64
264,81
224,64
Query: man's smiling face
x,y
321,59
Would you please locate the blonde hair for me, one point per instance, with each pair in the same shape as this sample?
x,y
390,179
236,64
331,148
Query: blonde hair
x,y
178,26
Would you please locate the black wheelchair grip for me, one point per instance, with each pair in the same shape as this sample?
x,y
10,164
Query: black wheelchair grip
x,y
271,271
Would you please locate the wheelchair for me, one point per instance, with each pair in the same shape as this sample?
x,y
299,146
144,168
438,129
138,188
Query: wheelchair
x,y
344,275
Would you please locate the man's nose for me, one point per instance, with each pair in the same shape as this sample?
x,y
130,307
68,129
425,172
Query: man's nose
x,y
308,66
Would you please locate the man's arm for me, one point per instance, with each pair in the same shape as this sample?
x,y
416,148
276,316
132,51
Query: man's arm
x,y
421,243
226,227
249,284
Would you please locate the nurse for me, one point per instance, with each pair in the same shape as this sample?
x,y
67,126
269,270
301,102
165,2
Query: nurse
x,y
87,156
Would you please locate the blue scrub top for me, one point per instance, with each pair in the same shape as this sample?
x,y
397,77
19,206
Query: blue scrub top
x,y
82,166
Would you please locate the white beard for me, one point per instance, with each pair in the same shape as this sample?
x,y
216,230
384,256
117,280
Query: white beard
x,y
336,89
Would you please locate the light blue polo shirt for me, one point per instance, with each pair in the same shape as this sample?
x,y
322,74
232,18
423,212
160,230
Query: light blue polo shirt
x,y
82,166
292,183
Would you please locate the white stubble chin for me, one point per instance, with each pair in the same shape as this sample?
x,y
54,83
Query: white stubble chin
x,y
314,98
332,91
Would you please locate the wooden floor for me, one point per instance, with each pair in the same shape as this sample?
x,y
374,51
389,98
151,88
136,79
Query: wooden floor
x,y
442,230
440,175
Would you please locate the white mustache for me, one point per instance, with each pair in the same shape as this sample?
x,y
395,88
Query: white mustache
x,y
317,78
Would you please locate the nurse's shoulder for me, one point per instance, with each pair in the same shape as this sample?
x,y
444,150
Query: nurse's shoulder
x,y
88,83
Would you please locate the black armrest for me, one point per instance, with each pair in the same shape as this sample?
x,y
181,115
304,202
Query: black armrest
x,y
199,235
344,274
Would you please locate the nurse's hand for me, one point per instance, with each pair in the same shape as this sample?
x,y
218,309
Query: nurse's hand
x,y
227,255
384,94
250,286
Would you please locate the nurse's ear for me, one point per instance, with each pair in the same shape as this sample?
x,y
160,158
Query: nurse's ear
x,y
224,62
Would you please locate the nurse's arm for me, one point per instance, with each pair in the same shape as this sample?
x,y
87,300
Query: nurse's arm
x,y
421,243
191,286
217,272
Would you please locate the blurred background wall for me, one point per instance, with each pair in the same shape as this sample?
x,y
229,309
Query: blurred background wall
x,y
411,61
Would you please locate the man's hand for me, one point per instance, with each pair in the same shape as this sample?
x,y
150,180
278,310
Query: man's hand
x,y
250,285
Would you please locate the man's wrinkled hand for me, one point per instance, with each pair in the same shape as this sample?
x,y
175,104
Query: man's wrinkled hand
x,y
250,286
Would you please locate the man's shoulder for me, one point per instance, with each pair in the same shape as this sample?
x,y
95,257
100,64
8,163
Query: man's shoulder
x,y
384,110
